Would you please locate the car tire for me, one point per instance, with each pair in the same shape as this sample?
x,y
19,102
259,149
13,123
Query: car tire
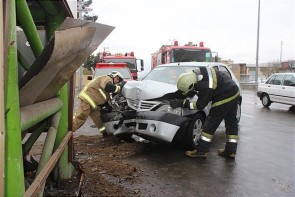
x,y
265,100
194,132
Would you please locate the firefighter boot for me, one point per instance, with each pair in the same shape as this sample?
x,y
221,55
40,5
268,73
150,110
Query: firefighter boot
x,y
229,150
225,153
195,153
201,150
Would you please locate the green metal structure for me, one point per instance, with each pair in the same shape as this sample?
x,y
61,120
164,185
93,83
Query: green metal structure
x,y
38,61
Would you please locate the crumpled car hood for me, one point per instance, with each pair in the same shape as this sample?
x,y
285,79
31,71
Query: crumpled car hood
x,y
146,89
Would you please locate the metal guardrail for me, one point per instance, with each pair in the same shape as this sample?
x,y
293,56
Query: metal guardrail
x,y
248,85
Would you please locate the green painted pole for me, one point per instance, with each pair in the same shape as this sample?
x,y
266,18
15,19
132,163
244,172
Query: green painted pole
x,y
33,114
22,60
33,137
14,172
65,168
53,19
48,146
2,111
27,23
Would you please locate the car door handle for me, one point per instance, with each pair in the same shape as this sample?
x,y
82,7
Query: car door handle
x,y
283,87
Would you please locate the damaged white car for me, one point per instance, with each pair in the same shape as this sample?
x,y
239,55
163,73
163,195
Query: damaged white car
x,y
144,108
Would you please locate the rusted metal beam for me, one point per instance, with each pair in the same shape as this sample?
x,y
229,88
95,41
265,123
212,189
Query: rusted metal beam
x,y
36,186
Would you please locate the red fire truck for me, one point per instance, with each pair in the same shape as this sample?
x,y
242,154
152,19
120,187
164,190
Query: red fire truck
x,y
188,53
128,58
107,68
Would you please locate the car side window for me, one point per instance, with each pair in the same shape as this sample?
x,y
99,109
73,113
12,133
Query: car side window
x,y
278,80
215,68
225,70
270,80
288,80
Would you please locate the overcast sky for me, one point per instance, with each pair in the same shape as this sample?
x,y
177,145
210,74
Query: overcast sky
x,y
228,27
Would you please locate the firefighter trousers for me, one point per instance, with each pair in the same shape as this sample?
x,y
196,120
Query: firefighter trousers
x,y
228,113
84,110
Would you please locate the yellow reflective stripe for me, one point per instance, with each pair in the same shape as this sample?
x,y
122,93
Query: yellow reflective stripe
x,y
88,99
101,129
191,105
206,137
214,78
210,78
226,100
102,93
118,88
232,138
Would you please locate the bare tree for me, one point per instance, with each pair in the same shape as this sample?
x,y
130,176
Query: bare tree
x,y
267,71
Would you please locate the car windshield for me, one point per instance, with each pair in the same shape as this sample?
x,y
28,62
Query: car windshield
x,y
182,55
167,74
105,71
131,64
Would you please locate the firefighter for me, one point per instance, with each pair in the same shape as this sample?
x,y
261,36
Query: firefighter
x,y
94,96
216,86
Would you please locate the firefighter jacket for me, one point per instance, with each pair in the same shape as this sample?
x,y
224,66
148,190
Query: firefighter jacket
x,y
215,86
98,91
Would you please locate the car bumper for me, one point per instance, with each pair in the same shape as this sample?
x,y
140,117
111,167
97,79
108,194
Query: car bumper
x,y
152,125
159,125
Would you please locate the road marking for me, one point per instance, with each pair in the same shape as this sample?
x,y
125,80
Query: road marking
x,y
281,125
248,115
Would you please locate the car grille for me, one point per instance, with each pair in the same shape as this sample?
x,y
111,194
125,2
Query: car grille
x,y
142,105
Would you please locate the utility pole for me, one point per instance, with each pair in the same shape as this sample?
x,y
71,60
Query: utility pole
x,y
257,46
281,52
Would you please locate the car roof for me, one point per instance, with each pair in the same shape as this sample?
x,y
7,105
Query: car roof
x,y
284,74
198,64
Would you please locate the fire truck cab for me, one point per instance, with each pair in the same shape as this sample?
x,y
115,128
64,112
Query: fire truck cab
x,y
188,53
128,58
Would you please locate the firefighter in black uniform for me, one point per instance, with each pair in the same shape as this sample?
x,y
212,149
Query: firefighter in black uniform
x,y
211,85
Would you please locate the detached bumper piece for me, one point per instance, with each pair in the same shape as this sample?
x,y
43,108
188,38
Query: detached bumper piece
x,y
117,123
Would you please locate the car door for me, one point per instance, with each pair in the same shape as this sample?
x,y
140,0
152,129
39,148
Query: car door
x,y
274,88
288,90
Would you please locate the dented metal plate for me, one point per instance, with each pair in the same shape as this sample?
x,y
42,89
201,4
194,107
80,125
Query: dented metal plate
x,y
74,41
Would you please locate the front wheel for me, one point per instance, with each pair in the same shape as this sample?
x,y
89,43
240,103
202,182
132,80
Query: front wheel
x,y
265,100
194,131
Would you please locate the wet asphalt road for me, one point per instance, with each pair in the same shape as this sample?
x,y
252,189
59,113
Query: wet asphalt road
x,y
264,165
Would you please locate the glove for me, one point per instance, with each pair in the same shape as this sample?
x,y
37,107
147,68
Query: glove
x,y
121,84
176,103
106,108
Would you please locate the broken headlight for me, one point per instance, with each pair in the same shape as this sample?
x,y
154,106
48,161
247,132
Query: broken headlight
x,y
168,109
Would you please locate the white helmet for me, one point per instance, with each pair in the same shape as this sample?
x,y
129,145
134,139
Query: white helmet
x,y
114,74
186,82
